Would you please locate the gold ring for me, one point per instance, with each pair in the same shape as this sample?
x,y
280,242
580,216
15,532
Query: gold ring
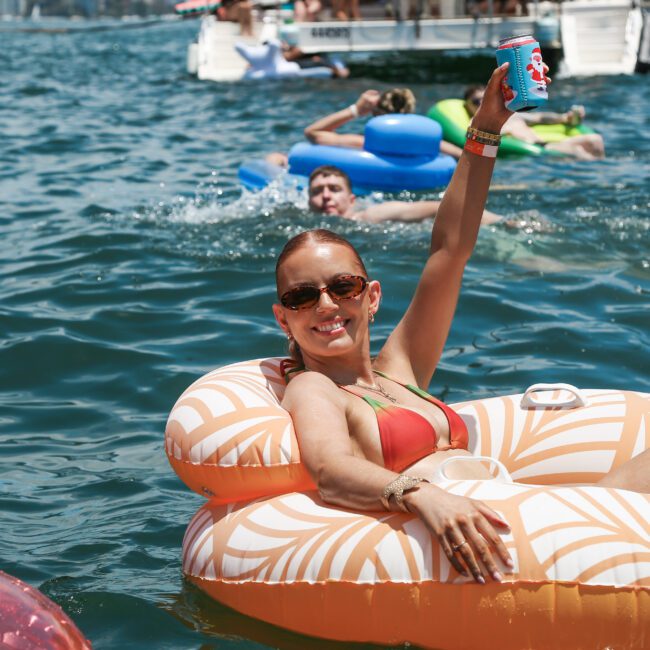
x,y
456,547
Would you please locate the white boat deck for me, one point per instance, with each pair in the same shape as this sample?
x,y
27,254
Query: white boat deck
x,y
432,34
600,36
597,36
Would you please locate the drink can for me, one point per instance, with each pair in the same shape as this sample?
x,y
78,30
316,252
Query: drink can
x,y
524,88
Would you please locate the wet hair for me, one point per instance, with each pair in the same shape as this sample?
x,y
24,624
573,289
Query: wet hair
x,y
317,236
470,90
396,100
330,170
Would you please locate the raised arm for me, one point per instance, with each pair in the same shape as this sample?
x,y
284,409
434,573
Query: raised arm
x,y
572,117
414,348
323,131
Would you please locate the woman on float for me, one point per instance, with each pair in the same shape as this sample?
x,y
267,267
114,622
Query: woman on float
x,y
397,100
368,433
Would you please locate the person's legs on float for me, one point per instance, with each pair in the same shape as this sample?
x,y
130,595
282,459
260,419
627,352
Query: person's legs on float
x,y
633,475
589,146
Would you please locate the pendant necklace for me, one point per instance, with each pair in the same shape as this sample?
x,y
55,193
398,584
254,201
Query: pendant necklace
x,y
377,389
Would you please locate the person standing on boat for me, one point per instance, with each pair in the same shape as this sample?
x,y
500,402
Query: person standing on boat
x,y
586,146
237,11
330,193
371,102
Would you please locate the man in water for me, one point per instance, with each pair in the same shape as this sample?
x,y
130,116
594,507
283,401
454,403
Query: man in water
x,y
330,193
587,146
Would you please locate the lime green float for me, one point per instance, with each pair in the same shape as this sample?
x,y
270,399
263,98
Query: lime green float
x,y
454,119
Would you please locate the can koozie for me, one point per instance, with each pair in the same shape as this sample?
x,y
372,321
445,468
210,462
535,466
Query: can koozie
x,y
524,88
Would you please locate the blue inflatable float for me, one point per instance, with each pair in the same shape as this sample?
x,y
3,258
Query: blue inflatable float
x,y
401,152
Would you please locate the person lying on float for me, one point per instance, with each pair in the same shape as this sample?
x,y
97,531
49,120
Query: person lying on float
x,y
369,434
585,146
330,193
371,102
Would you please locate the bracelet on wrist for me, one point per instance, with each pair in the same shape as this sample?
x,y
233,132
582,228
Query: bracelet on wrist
x,y
354,110
484,137
397,487
481,149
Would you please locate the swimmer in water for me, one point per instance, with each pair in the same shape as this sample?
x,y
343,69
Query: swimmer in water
x,y
330,193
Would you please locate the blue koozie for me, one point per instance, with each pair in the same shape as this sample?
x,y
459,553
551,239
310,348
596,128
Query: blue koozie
x,y
524,88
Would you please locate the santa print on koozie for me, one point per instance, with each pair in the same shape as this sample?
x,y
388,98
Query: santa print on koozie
x,y
536,71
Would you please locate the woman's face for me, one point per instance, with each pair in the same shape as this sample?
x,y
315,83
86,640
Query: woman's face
x,y
331,327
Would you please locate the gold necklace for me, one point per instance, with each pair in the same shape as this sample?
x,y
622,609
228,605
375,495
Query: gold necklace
x,y
377,389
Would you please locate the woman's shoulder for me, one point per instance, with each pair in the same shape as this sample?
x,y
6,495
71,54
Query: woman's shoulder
x,y
311,385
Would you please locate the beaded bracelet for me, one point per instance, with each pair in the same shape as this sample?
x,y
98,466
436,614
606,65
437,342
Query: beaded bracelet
x,y
484,137
354,110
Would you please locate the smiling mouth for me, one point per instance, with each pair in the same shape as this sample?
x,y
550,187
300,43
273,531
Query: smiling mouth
x,y
330,327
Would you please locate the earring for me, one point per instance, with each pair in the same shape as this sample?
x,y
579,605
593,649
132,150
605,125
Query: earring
x,y
289,337
371,316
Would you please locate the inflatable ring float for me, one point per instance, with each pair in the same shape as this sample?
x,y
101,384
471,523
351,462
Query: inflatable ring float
x,y
268,547
401,152
454,120
30,620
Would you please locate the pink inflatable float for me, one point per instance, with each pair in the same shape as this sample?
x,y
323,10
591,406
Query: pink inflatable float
x,y
29,620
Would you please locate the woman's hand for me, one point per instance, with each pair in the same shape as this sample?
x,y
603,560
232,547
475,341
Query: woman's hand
x,y
367,102
492,114
465,529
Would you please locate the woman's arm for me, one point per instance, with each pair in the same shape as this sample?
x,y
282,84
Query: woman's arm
x,y
343,478
414,348
323,131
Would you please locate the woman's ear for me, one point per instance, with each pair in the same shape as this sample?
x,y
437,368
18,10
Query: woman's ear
x,y
374,295
278,312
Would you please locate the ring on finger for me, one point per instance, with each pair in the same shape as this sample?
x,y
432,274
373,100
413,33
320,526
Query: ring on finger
x,y
456,547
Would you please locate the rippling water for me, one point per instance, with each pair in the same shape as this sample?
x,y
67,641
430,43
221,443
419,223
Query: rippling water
x,y
131,262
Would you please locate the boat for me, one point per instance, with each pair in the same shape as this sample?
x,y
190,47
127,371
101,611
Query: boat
x,y
572,33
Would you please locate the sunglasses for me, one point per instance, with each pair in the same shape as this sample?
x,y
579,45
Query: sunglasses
x,y
344,287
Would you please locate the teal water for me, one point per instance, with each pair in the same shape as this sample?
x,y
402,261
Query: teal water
x,y
131,263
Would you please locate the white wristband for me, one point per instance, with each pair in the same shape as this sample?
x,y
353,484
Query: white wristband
x,y
354,110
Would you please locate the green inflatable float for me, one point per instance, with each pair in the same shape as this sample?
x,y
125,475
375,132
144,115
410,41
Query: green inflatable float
x,y
454,119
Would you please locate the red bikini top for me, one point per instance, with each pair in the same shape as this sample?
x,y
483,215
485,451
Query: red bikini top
x,y
407,436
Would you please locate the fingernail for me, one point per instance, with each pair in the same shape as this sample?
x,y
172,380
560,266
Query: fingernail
x,y
480,579
510,563
503,66
497,576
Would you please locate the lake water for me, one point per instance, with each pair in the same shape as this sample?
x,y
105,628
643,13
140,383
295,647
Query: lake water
x,y
131,263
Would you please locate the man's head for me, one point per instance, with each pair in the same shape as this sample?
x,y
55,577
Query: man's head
x,y
330,191
473,97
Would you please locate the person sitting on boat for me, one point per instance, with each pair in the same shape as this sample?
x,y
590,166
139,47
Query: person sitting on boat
x,y
330,193
369,434
237,11
586,146
291,52
307,10
346,10
396,100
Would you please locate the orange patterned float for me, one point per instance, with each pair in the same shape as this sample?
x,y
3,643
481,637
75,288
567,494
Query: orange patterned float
x,y
268,547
